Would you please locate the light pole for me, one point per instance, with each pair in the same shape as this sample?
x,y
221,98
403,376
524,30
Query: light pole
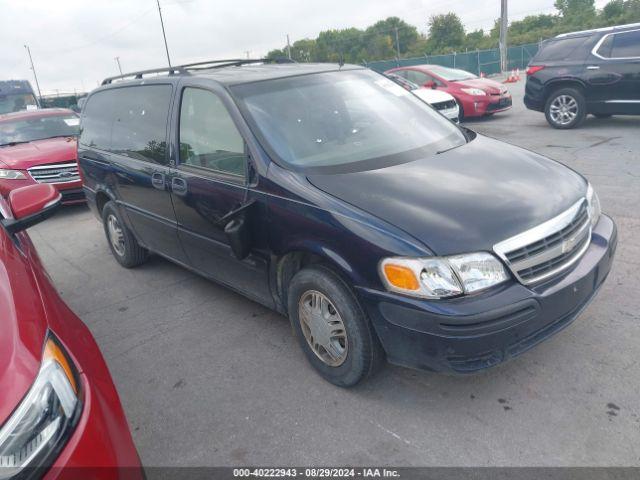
x,y
504,25
34,70
163,33
117,59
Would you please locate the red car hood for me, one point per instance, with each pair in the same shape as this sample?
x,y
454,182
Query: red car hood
x,y
23,326
490,86
39,152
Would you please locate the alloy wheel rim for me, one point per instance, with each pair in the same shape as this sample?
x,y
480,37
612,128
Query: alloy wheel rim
x,y
323,328
116,236
563,109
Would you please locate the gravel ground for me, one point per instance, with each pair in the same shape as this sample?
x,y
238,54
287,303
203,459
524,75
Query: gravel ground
x,y
208,377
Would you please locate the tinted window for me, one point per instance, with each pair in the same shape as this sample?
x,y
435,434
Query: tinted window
x,y
97,119
38,128
626,45
140,122
418,78
208,137
561,49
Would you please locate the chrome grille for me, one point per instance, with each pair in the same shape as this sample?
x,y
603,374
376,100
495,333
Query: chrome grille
x,y
55,173
549,248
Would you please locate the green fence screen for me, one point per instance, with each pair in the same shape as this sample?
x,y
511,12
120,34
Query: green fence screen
x,y
478,61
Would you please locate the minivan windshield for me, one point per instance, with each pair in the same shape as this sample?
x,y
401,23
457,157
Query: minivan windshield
x,y
21,130
343,120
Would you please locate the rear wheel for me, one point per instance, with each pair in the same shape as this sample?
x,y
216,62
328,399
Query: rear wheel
x,y
123,245
333,331
565,108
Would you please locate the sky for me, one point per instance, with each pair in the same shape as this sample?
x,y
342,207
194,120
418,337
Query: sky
x,y
74,42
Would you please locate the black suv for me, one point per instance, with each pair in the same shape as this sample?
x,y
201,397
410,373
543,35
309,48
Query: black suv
x,y
594,71
336,197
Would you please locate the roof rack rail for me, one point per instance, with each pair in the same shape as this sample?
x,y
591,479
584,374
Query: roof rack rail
x,y
184,69
613,28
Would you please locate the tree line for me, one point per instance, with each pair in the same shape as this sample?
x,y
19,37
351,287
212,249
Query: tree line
x,y
446,34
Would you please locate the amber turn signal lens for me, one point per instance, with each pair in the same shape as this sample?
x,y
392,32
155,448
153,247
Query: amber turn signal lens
x,y
53,352
401,277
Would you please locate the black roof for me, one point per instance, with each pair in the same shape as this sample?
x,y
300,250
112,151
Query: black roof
x,y
233,72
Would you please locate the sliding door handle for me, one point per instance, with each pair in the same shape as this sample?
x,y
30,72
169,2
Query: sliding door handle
x,y
179,186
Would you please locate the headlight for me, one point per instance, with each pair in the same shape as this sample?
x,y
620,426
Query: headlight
x,y
439,277
44,419
474,91
593,205
12,175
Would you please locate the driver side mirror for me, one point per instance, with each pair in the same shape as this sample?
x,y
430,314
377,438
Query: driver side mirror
x,y
430,84
31,205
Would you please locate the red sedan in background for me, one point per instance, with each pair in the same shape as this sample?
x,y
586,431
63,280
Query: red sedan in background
x,y
60,415
476,96
39,146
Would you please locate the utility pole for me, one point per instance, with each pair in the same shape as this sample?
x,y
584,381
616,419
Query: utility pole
x,y
247,52
34,70
117,59
397,43
504,24
164,35
288,47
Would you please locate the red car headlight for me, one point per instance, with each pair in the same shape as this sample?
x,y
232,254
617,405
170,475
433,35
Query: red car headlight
x,y
45,418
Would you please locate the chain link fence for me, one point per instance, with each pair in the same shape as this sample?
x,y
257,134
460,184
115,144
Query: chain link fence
x,y
485,62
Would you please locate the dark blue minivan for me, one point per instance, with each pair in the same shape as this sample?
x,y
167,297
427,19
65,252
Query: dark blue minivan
x,y
334,196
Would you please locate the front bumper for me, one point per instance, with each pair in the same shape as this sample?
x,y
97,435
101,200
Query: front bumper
x,y
472,333
485,105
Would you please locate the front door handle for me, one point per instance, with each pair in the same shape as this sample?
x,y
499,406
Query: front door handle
x,y
157,180
179,186
593,67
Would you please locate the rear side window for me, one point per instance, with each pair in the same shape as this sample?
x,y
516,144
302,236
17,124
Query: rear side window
x,y
96,121
208,137
140,122
560,49
626,45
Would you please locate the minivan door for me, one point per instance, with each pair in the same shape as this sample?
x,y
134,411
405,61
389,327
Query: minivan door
x,y
209,191
141,168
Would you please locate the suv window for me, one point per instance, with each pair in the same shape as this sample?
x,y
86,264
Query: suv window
x,y
96,120
140,122
559,49
208,137
626,45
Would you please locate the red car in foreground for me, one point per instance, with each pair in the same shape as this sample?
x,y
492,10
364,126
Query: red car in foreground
x,y
60,415
39,146
476,96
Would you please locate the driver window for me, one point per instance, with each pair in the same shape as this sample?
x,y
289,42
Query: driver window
x,y
208,137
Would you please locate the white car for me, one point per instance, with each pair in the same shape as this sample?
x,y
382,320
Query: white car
x,y
441,101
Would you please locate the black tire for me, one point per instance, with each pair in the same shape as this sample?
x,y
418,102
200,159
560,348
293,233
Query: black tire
x,y
602,115
580,110
364,354
131,254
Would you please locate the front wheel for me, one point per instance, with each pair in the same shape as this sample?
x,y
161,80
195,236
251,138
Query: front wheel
x,y
123,244
565,108
333,331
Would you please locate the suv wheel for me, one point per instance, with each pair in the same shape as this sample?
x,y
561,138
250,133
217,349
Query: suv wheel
x,y
331,327
565,108
123,245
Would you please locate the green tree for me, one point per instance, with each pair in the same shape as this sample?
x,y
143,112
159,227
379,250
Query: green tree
x,y
446,33
577,13
407,34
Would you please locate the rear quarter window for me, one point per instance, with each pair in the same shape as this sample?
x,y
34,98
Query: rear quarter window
x,y
556,50
96,121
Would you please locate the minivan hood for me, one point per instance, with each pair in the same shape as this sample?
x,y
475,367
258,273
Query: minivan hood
x,y
38,152
465,199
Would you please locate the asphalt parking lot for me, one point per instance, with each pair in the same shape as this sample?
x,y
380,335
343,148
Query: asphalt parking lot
x,y
208,377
